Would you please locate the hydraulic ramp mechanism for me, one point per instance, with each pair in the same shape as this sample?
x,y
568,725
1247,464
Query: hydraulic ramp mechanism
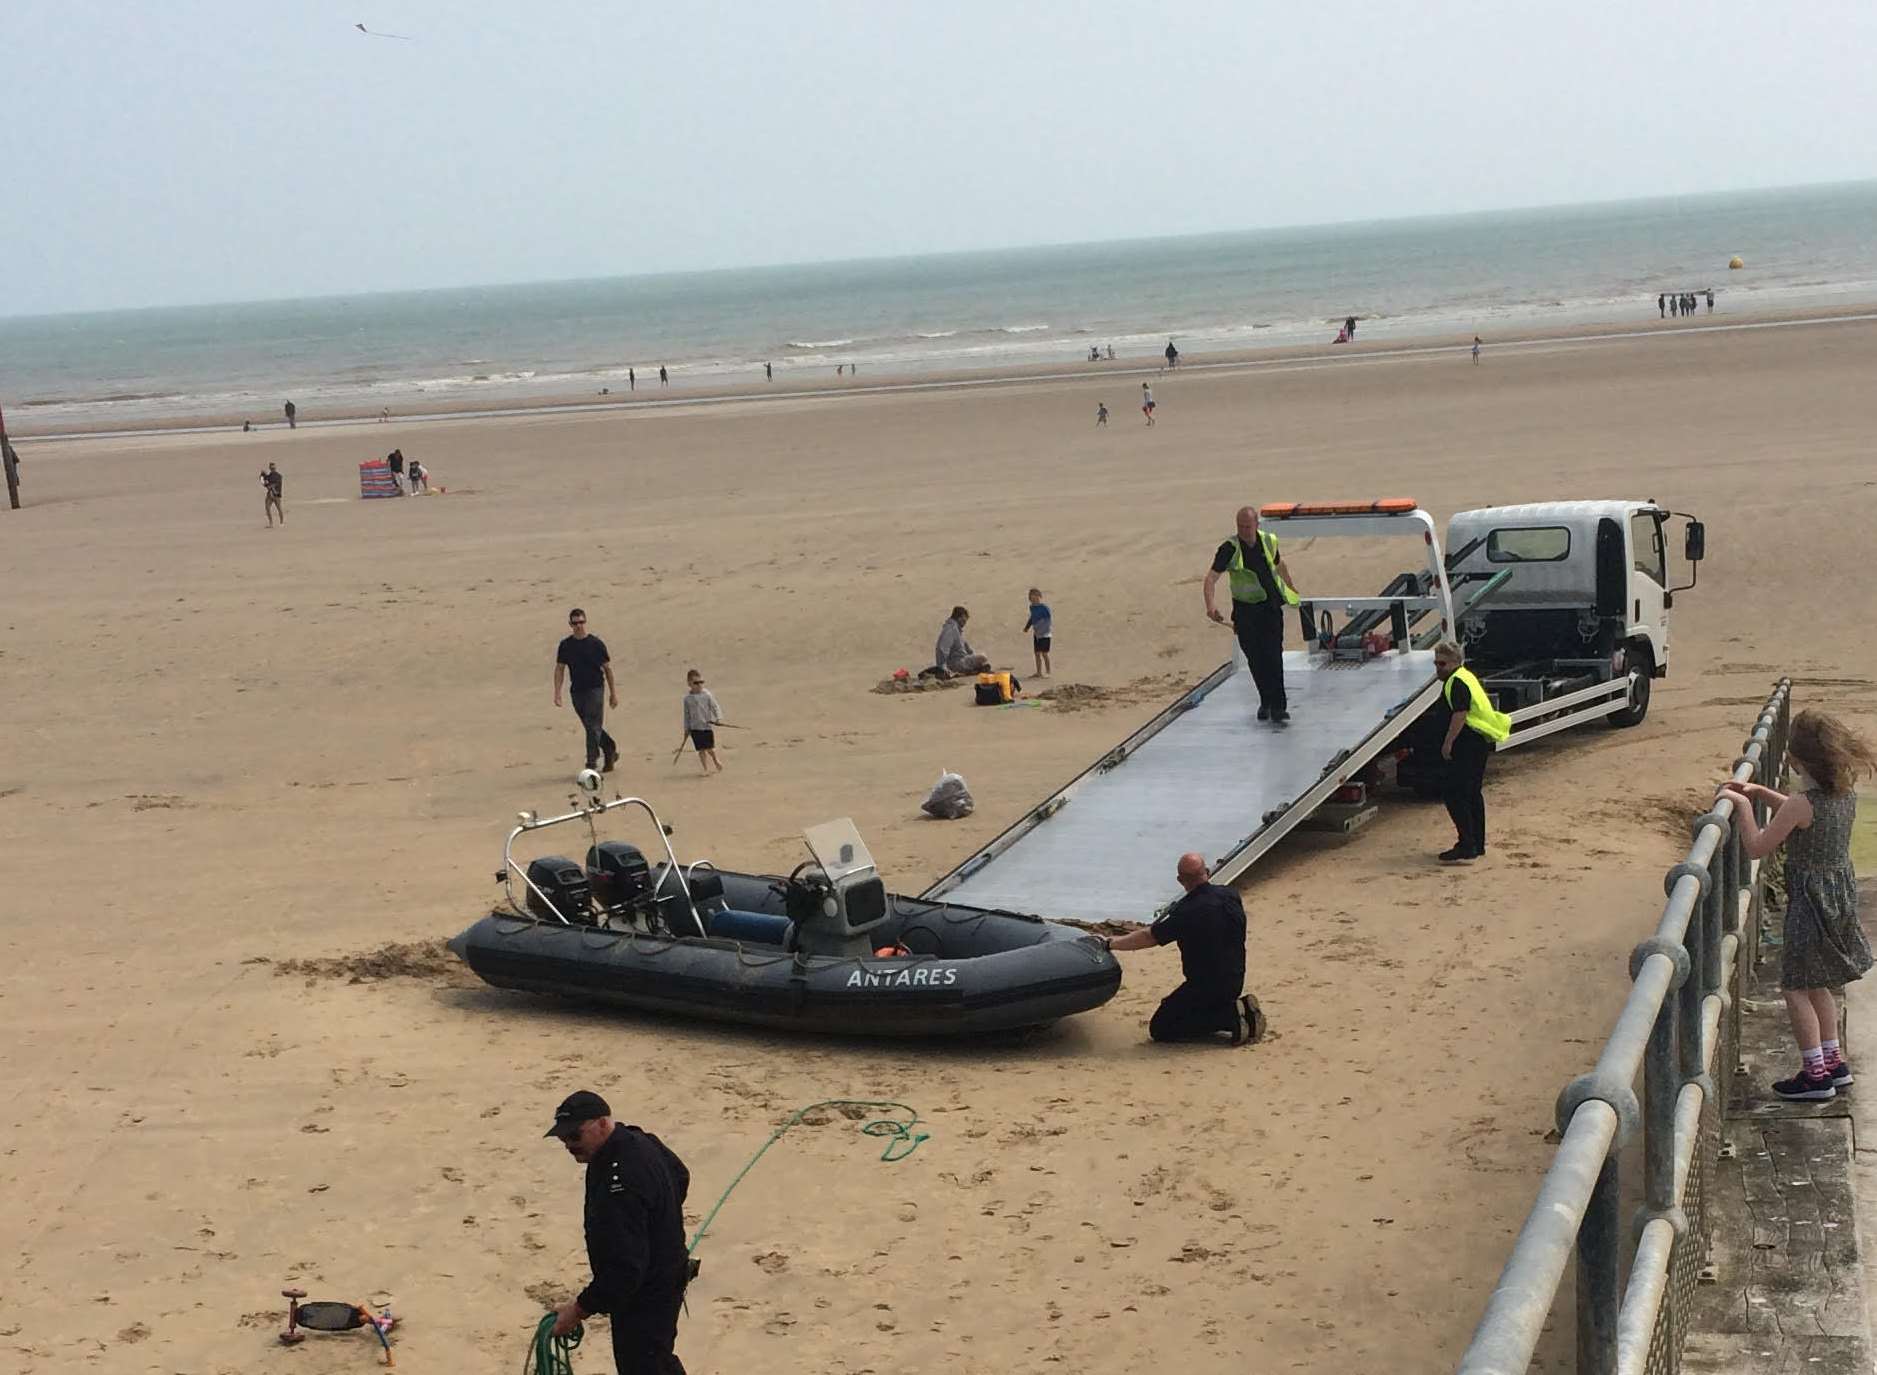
x,y
1205,775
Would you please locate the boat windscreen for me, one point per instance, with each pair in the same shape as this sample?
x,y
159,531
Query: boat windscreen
x,y
837,846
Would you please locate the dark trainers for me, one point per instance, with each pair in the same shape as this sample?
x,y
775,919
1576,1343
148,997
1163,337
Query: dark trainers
x,y
1840,1072
612,758
1805,1087
1264,713
1251,1022
1281,717
1457,855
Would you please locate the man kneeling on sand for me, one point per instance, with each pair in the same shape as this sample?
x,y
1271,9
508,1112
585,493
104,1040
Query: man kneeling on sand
x,y
954,654
1208,925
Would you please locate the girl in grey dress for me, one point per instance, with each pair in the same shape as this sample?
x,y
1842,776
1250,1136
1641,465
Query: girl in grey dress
x,y
1825,945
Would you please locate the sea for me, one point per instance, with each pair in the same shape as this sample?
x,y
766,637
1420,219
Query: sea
x,y
455,349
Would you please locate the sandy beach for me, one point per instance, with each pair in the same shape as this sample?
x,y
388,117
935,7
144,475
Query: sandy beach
x,y
241,764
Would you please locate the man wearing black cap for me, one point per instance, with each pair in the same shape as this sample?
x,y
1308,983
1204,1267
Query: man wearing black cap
x,y
635,1234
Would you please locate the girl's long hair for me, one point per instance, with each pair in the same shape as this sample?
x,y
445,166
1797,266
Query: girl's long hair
x,y
1830,751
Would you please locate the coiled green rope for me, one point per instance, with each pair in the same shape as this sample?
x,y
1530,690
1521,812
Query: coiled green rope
x,y
550,1355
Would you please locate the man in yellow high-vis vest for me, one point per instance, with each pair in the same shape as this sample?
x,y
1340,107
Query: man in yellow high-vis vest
x,y
1474,729
1261,588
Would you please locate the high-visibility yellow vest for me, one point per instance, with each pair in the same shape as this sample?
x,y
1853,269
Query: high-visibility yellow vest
x,y
1481,714
1245,584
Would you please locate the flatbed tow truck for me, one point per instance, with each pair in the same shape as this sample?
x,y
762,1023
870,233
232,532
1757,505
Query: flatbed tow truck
x,y
1563,608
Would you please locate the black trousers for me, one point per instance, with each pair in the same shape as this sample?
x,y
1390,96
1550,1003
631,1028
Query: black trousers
x,y
590,707
1260,629
1464,790
643,1342
1194,1014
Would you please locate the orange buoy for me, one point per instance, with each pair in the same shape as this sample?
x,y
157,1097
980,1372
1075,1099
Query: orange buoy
x,y
1735,264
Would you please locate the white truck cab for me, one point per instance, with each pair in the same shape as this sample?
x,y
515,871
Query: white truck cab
x,y
1587,585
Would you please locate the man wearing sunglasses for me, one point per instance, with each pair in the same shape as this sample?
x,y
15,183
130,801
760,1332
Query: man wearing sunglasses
x,y
583,659
635,1235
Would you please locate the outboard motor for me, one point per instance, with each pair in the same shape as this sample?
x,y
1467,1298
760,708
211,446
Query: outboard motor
x,y
565,886
622,880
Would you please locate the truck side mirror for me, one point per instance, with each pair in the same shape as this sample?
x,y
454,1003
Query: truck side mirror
x,y
1697,541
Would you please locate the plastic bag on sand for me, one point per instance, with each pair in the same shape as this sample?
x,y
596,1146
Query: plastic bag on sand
x,y
949,798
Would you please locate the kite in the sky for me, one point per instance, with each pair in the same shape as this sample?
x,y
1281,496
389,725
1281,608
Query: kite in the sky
x,y
403,37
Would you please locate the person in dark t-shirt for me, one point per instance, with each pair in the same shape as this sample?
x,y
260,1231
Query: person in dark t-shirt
x,y
1261,586
272,484
1208,925
582,658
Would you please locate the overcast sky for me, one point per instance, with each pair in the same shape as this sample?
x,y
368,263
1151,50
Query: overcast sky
x,y
208,150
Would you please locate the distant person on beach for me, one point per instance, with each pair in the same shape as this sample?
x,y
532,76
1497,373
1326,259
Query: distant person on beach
x,y
246,426
1147,402
953,654
1661,304
664,378
1101,414
701,718
769,372
1475,350
1111,353
419,478
840,369
1208,925
395,462
1040,625
632,379
271,484
291,411
1710,300
1350,326
583,659
384,414
1173,355
1825,946
1261,588
1674,306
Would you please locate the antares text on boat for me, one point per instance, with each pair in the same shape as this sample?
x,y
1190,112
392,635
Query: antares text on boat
x,y
825,948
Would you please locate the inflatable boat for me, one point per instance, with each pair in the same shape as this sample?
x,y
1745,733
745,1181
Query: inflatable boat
x,y
825,948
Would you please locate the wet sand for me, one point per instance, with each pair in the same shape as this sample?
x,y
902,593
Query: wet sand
x,y
228,748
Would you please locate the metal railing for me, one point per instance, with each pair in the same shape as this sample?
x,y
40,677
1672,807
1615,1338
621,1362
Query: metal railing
x,y
1680,1028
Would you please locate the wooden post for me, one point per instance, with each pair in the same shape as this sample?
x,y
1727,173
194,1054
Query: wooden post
x,y
11,462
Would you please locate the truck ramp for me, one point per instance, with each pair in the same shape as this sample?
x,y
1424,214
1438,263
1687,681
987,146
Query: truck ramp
x,y
1203,775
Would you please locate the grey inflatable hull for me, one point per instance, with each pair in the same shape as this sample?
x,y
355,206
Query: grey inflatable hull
x,y
971,970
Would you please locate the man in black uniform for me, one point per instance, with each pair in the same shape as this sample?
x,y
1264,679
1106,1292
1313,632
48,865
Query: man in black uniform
x,y
1261,589
635,1235
583,658
1208,925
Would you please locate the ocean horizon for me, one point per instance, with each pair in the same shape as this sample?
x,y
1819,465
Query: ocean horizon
x,y
447,348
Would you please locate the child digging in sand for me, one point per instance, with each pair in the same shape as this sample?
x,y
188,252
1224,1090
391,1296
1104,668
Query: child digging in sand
x,y
702,715
1825,946
1039,625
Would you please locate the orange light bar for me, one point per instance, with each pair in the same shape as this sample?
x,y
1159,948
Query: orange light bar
x,y
1387,506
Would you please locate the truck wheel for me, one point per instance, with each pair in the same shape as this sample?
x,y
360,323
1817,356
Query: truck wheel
x,y
1642,665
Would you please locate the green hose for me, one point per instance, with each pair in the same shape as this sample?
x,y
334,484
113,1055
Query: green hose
x,y
898,1134
550,1355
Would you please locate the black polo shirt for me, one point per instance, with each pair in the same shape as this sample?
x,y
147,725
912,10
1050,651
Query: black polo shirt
x,y
1208,925
1255,562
